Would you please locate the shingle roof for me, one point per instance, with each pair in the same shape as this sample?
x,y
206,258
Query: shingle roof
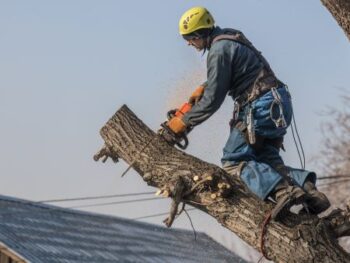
x,y
48,234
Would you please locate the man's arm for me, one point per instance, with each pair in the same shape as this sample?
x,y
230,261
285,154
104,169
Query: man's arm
x,y
219,70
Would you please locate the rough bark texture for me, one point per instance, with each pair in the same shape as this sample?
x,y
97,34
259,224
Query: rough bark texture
x,y
298,239
340,9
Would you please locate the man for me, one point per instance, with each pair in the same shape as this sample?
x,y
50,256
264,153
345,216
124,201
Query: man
x,y
262,113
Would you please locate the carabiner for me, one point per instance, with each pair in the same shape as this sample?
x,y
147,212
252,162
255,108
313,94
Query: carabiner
x,y
280,122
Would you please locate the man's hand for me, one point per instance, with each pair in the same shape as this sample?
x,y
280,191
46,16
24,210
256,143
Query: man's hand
x,y
196,95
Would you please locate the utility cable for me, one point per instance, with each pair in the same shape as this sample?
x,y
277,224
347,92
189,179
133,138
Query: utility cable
x,y
91,205
332,183
333,177
156,215
93,197
119,202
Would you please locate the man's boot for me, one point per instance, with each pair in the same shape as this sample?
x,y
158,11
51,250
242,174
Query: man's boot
x,y
317,202
286,196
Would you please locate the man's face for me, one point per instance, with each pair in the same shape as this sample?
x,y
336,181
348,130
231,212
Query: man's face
x,y
197,43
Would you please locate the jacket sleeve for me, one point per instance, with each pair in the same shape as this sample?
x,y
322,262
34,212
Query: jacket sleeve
x,y
217,85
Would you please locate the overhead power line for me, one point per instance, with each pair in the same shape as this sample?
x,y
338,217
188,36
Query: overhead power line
x,y
93,197
156,215
333,177
334,182
119,202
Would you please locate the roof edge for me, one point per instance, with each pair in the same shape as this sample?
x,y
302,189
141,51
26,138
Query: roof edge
x,y
12,254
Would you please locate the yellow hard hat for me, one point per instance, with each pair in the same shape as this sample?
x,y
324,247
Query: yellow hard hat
x,y
194,19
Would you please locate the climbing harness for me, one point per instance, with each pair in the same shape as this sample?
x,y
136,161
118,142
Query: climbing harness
x,y
280,121
265,79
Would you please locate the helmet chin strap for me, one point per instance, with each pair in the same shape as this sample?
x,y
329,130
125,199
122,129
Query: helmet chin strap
x,y
204,49
206,44
207,41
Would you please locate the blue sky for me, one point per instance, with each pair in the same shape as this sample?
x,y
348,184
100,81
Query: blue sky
x,y
67,66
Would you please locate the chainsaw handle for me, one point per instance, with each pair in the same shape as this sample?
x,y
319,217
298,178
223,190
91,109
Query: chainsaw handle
x,y
183,145
171,114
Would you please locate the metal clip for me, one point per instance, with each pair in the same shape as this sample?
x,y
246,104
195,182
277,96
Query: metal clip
x,y
280,122
250,127
236,110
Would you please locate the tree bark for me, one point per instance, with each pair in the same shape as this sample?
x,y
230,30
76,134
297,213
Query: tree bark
x,y
205,186
340,9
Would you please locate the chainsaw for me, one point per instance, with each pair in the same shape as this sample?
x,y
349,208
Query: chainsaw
x,y
180,140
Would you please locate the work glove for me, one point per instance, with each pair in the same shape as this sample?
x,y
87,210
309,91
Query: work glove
x,y
196,95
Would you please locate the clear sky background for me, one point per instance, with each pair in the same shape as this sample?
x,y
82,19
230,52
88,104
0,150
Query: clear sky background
x,y
67,66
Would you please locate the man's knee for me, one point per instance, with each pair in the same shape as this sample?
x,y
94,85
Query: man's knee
x,y
234,169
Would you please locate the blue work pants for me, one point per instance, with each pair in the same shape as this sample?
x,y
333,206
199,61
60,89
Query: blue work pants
x,y
258,173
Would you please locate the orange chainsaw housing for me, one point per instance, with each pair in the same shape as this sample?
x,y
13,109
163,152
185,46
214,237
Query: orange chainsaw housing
x,y
180,140
186,107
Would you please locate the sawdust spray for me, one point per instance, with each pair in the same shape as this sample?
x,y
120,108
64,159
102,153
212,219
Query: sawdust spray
x,y
214,131
183,87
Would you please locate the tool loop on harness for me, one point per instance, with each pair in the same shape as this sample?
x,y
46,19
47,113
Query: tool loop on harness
x,y
250,126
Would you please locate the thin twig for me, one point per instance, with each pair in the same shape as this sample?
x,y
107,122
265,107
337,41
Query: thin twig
x,y
194,230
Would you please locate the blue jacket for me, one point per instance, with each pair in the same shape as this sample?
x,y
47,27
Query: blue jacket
x,y
231,68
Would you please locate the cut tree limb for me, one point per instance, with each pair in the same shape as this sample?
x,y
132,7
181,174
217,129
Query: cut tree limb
x,y
298,239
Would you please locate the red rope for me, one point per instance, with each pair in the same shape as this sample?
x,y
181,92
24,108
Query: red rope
x,y
263,232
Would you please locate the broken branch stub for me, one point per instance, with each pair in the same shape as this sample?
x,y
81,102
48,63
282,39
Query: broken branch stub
x,y
299,239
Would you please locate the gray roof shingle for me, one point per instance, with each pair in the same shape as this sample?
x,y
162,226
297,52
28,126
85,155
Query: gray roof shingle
x,y
43,233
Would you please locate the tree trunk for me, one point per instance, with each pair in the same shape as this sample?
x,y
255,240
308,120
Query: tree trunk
x,y
205,186
340,9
